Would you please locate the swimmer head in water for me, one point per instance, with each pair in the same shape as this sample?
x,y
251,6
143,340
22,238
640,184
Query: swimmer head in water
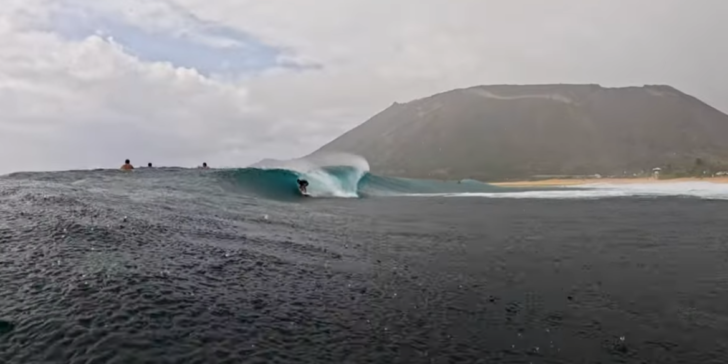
x,y
127,165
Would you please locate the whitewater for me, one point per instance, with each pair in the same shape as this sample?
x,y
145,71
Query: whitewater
x,y
703,190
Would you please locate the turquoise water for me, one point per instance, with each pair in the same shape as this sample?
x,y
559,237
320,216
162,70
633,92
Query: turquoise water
x,y
341,181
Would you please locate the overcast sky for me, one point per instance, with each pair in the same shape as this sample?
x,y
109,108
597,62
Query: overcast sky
x,y
86,84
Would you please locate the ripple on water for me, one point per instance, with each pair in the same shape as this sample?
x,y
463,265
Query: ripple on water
x,y
91,275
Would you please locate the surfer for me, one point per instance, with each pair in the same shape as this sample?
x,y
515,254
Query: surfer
x,y
127,166
302,184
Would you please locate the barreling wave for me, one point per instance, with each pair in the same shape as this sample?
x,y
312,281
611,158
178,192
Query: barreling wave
x,y
330,175
281,183
345,176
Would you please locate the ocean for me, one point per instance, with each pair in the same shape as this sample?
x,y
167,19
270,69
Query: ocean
x,y
175,265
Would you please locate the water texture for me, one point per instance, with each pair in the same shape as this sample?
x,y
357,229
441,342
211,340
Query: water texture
x,y
213,266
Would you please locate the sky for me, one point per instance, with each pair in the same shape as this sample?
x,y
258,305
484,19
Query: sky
x,y
87,84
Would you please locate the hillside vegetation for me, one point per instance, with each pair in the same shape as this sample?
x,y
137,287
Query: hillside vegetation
x,y
509,132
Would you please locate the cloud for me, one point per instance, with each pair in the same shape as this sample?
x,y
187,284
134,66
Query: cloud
x,y
179,37
87,102
88,84
84,103
379,52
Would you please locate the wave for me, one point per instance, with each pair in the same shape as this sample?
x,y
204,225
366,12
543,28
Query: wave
x,y
374,185
329,175
342,176
282,183
338,175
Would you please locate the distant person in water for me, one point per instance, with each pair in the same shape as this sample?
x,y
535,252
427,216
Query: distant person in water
x,y
149,165
302,184
204,165
127,166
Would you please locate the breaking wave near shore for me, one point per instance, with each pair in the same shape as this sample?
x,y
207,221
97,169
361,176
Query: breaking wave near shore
x,y
337,175
349,176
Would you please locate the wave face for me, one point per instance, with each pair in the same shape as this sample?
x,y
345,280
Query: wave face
x,y
342,181
330,175
338,175
373,185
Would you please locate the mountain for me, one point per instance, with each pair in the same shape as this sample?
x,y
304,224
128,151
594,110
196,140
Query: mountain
x,y
506,132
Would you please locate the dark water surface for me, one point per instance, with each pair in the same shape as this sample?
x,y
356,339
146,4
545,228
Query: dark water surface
x,y
103,267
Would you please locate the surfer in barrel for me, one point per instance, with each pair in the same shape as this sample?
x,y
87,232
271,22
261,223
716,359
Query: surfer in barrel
x,y
302,184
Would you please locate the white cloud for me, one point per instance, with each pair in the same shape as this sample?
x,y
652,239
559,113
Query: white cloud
x,y
89,103
63,96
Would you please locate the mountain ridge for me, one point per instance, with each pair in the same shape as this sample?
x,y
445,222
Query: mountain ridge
x,y
501,132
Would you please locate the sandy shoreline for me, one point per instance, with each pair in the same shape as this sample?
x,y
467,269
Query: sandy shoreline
x,y
578,182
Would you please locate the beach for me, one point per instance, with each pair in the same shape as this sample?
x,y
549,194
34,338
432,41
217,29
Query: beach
x,y
591,181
